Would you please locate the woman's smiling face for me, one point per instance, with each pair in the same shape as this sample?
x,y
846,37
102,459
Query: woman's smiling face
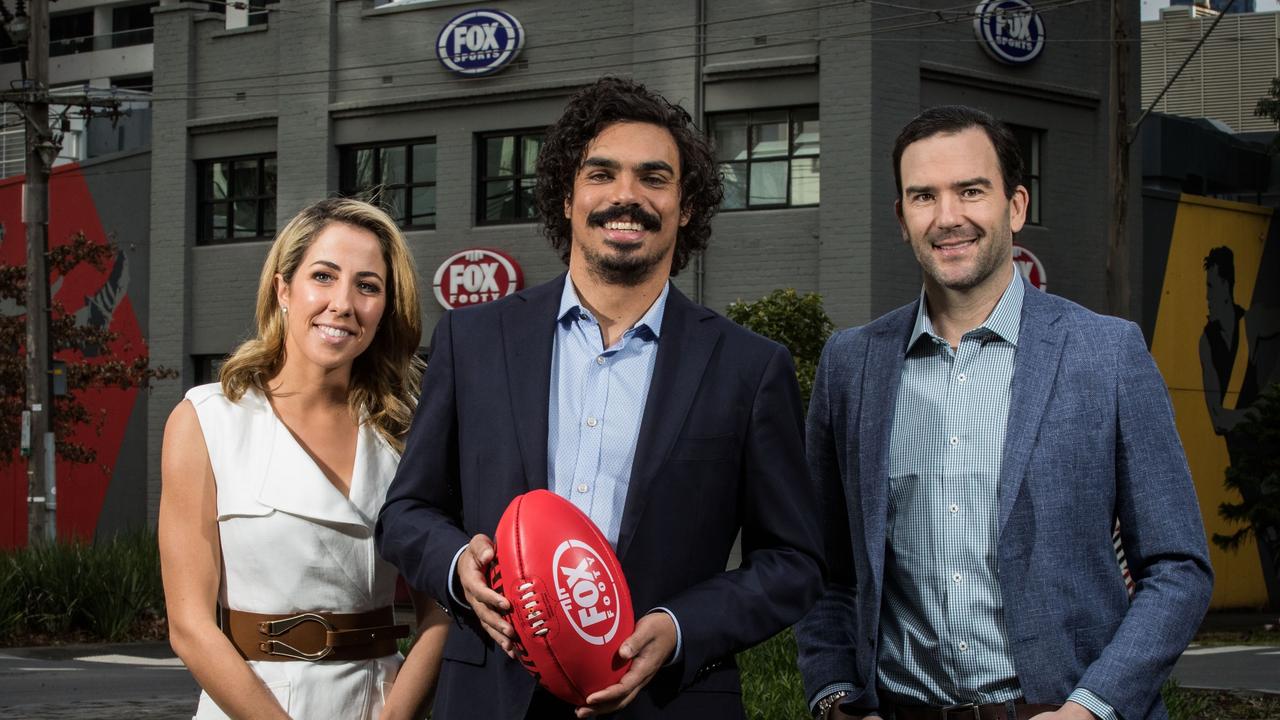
x,y
336,298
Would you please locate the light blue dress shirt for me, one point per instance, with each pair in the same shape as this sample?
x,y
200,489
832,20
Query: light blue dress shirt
x,y
596,404
942,634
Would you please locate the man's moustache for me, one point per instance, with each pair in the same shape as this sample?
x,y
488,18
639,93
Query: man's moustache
x,y
647,220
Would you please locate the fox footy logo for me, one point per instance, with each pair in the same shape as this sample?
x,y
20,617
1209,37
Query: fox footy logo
x,y
586,591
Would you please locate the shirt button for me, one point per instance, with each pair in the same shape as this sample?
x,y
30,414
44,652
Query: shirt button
x,y
582,487
599,359
954,508
962,377
964,646
954,441
957,577
592,422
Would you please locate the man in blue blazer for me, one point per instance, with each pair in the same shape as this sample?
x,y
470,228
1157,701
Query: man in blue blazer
x,y
671,427
975,449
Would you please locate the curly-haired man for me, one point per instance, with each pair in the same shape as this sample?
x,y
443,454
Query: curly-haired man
x,y
671,427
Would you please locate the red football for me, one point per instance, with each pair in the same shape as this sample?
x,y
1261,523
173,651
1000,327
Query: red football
x,y
571,608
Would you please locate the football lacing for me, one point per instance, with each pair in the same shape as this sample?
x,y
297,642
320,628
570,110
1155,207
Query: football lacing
x,y
534,613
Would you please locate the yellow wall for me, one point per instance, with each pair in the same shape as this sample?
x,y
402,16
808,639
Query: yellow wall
x,y
1201,225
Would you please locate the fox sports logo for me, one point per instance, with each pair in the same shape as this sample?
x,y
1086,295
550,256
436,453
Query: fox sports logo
x,y
479,42
1011,31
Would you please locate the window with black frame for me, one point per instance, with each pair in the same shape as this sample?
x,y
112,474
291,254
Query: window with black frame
x,y
1030,141
399,177
507,175
236,199
768,158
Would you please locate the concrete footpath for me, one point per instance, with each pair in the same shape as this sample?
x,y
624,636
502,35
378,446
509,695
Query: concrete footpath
x,y
142,681
136,681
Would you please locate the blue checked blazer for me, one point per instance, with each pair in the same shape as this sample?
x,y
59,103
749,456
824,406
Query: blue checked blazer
x,y
1090,438
720,448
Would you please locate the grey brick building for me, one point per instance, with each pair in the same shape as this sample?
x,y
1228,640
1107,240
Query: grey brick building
x,y
804,98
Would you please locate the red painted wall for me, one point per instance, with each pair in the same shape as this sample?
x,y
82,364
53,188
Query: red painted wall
x,y
81,487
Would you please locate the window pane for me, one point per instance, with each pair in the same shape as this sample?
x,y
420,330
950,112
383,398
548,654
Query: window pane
x,y
499,201
804,132
730,135
269,217
499,156
244,178
804,181
528,210
393,165
217,181
362,173
530,146
423,206
1033,203
424,163
735,185
768,183
220,221
769,134
392,200
245,214
213,221
269,177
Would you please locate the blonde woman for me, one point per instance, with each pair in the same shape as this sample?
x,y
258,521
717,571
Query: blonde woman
x,y
272,480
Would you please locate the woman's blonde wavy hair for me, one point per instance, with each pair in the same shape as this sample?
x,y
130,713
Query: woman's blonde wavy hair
x,y
387,376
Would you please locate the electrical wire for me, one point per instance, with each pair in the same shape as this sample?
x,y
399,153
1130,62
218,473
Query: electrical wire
x,y
342,85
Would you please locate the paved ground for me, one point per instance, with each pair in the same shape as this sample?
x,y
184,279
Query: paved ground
x,y
103,682
145,681
1230,667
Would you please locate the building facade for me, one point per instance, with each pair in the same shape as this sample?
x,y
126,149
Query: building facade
x,y
1226,77
804,101
96,47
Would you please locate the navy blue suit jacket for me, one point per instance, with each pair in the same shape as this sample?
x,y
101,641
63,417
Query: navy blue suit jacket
x,y
1090,439
720,448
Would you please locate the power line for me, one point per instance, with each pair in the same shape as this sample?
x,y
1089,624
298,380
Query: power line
x,y
597,68
958,12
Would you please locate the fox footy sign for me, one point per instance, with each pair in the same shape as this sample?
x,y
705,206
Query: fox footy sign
x,y
479,42
476,276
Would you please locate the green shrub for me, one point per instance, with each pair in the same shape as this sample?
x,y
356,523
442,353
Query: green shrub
x,y
1184,705
68,588
771,685
796,321
772,688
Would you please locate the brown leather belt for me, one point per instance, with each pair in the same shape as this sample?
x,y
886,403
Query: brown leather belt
x,y
1022,710
313,636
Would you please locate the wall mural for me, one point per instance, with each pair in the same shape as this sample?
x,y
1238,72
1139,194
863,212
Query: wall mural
x,y
1217,342
100,298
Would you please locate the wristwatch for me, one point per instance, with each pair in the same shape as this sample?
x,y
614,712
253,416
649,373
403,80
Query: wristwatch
x,y
820,710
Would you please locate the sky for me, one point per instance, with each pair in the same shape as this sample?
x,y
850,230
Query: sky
x,y
1151,8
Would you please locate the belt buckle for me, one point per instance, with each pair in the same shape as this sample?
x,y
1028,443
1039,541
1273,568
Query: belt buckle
x,y
279,647
951,712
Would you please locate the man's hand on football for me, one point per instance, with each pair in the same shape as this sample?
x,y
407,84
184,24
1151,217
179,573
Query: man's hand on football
x,y
489,606
648,649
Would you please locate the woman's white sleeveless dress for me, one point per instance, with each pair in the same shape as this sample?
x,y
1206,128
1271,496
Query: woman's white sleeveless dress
x,y
291,542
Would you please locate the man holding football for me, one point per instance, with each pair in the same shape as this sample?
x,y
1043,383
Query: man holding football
x,y
672,428
975,449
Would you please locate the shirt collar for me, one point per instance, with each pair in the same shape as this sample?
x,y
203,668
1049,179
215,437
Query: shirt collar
x,y
571,309
1003,321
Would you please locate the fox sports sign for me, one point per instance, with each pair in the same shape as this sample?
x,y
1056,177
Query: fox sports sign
x,y
479,42
1011,31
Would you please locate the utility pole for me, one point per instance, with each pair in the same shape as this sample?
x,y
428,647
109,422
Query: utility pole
x,y
32,99
1118,288
35,214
